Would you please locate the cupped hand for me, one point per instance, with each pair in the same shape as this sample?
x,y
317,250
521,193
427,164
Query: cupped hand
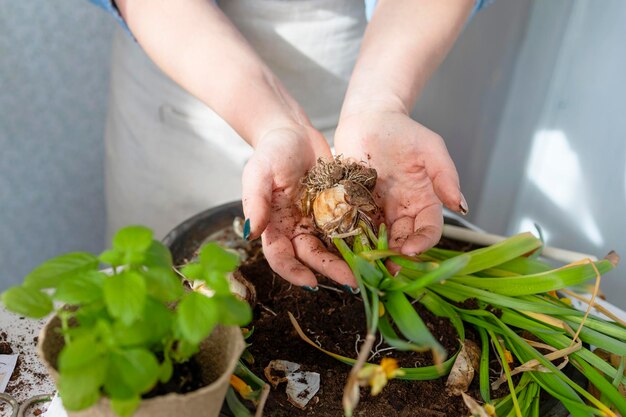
x,y
271,204
415,174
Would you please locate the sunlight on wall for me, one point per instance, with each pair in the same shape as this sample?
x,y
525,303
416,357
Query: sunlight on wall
x,y
554,168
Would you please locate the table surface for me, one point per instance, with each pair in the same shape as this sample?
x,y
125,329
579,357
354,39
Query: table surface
x,y
32,377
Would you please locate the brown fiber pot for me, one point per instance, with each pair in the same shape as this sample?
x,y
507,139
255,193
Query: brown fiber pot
x,y
218,357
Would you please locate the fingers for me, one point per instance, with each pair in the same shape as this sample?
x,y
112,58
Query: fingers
x,y
414,236
280,254
442,172
257,182
312,252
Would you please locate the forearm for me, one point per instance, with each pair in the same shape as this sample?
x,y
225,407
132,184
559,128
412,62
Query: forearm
x,y
403,45
195,44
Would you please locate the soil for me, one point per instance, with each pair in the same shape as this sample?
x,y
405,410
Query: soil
x,y
186,377
335,319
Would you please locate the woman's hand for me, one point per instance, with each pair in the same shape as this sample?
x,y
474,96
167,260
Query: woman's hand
x,y
415,174
271,203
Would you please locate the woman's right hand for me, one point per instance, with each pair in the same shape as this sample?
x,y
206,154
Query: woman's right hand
x,y
271,204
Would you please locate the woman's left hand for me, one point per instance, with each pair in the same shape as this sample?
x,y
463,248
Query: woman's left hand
x,y
415,174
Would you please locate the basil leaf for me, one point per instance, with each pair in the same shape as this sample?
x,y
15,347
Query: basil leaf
x,y
50,273
27,301
125,296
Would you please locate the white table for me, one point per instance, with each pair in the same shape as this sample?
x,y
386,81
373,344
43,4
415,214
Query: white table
x,y
33,379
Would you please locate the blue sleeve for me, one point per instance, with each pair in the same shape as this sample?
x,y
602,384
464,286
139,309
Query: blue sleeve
x,y
479,4
109,6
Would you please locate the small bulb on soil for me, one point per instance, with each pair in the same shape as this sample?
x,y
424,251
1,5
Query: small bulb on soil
x,y
338,195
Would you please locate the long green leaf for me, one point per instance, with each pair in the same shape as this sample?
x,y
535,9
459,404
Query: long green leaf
x,y
446,270
392,338
537,283
485,389
411,325
459,292
501,252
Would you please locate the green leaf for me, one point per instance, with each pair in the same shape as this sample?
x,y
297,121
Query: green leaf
x,y
501,252
125,407
133,243
383,243
163,284
193,271
184,350
27,301
89,315
411,325
158,255
80,388
166,370
81,353
196,316
152,327
82,288
112,257
133,238
218,282
114,387
392,339
136,368
235,405
369,272
233,311
125,296
445,270
537,283
50,273
215,258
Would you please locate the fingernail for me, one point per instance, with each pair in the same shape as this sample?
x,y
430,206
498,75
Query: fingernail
x,y
246,229
351,290
463,205
309,289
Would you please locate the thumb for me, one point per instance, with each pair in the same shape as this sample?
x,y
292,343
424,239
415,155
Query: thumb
x,y
257,183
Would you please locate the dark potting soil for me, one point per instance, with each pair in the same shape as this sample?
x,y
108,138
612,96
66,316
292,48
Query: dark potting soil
x,y
335,319
187,377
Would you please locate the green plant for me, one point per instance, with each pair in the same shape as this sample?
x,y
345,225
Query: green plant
x,y
513,296
125,328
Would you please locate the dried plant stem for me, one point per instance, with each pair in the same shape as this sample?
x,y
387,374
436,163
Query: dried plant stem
x,y
265,392
596,288
351,390
595,305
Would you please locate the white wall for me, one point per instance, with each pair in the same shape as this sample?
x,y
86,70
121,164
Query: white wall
x,y
464,99
561,155
53,90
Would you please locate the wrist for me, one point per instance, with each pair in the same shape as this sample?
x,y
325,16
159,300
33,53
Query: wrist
x,y
366,102
270,109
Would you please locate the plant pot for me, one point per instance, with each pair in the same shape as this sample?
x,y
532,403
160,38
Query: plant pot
x,y
218,357
186,238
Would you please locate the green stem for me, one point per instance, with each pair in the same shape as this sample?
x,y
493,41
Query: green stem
x,y
65,324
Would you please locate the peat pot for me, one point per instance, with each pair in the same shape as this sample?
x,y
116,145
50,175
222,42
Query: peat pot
x,y
218,357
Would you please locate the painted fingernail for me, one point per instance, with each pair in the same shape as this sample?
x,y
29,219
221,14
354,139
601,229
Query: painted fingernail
x,y
246,229
463,205
351,290
309,289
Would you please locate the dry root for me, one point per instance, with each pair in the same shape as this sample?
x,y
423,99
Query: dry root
x,y
338,194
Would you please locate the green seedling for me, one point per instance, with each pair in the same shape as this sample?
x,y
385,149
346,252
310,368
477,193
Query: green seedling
x,y
126,327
